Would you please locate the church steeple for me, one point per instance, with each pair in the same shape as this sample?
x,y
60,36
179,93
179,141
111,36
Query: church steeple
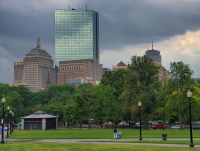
x,y
38,43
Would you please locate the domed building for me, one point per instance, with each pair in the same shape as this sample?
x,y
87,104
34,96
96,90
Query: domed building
x,y
37,69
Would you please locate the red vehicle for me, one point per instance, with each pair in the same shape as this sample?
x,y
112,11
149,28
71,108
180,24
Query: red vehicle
x,y
159,126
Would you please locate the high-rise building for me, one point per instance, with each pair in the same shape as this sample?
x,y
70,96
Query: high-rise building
x,y
154,54
156,57
76,35
37,69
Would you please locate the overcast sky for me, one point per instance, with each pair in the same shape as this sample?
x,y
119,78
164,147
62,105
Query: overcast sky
x,y
127,28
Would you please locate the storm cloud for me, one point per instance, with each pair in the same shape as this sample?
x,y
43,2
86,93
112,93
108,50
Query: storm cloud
x,y
126,27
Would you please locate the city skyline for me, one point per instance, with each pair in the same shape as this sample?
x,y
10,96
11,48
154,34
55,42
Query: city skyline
x,y
126,28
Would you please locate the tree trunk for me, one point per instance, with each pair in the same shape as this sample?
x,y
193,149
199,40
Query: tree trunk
x,y
180,118
146,124
164,114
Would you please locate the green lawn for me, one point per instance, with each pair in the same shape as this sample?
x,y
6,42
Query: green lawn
x,y
33,146
101,133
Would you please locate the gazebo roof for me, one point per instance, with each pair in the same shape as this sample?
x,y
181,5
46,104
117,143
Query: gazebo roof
x,y
39,114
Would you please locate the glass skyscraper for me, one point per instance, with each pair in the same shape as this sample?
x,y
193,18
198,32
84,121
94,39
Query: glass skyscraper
x,y
76,35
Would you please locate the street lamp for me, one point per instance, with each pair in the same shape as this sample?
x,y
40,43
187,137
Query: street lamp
x,y
10,122
189,95
139,105
8,108
71,122
2,130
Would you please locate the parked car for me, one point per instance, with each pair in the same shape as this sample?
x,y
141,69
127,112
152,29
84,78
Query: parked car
x,y
196,127
123,123
175,127
138,123
137,126
159,126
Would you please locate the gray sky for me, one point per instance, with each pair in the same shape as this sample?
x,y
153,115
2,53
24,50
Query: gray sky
x,y
126,29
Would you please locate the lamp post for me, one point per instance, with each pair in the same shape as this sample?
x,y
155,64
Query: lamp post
x,y
139,105
8,109
2,121
189,94
71,122
10,122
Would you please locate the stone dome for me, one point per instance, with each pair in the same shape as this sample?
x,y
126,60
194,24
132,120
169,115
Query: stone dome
x,y
38,51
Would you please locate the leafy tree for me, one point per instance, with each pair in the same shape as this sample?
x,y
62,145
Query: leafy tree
x,y
141,85
39,98
55,109
196,81
181,75
14,100
104,107
81,113
115,79
163,95
4,89
55,90
127,102
25,93
69,112
112,107
82,88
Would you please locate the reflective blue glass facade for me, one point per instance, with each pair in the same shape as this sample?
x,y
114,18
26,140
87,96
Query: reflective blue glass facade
x,y
76,35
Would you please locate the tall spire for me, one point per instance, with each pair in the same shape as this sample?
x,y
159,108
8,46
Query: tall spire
x,y
38,43
152,43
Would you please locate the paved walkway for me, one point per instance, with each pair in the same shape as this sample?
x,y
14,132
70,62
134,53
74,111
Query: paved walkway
x,y
107,141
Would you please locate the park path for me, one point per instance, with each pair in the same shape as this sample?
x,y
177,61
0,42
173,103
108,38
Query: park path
x,y
107,141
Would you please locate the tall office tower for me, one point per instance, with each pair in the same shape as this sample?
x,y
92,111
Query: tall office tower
x,y
154,54
76,35
37,69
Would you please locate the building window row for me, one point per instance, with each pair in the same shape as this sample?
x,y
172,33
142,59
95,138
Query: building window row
x,y
70,68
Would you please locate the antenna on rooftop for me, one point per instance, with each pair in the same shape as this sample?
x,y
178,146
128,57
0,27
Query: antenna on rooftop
x,y
152,43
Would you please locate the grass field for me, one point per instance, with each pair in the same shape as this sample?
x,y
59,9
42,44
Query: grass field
x,y
30,146
99,134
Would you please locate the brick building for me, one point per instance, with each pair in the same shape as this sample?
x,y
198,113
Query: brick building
x,y
79,69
